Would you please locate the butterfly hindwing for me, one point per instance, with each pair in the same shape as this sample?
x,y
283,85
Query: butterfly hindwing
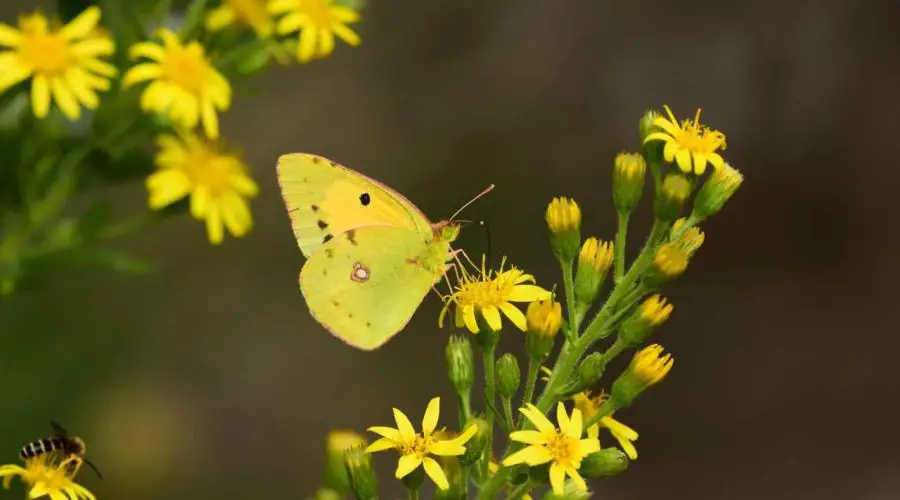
x,y
365,284
325,199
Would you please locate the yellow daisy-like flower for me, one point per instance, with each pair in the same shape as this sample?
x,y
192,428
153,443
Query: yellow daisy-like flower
x,y
66,64
185,85
691,145
624,435
562,447
49,476
488,294
318,22
251,13
415,448
217,182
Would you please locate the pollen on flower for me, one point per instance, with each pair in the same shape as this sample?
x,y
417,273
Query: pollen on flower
x,y
690,144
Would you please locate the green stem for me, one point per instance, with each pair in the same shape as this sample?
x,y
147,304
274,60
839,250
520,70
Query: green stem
x,y
521,490
507,412
605,409
569,283
465,407
489,385
412,494
534,367
614,350
620,246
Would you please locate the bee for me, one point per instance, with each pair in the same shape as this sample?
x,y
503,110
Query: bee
x,y
60,442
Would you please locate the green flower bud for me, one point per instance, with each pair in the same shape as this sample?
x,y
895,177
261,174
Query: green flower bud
x,y
594,261
460,363
508,375
337,444
653,150
604,463
327,494
544,319
628,181
672,195
690,240
570,491
717,190
648,368
475,446
590,370
361,473
638,327
564,220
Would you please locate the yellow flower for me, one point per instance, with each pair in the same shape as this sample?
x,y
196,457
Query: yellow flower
x,y
318,21
49,476
562,447
650,366
217,182
563,215
544,318
65,63
491,293
415,448
670,261
185,85
251,13
624,435
690,144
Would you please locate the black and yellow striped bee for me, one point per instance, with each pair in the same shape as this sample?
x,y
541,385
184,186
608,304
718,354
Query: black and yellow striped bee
x,y
61,443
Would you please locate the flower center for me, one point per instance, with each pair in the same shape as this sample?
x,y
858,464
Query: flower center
x,y
205,168
48,54
419,446
186,67
564,450
318,13
699,138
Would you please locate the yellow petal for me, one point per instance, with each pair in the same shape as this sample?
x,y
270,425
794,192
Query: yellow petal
x,y
210,119
590,445
531,455
140,73
619,428
557,478
528,293
346,34
658,136
236,215
537,418
593,432
387,432
466,435
326,42
381,445
291,23
700,163
40,96
492,317
404,426
150,50
100,67
529,437
214,228
576,477
38,491
82,25
64,99
93,47
575,423
343,14
281,6
670,150
683,159
671,127
219,18
562,418
716,160
11,74
469,318
430,420
435,472
169,38
83,92
515,315
627,447
9,36
407,464
307,47
446,448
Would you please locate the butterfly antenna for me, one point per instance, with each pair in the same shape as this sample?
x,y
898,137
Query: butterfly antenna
x,y
486,191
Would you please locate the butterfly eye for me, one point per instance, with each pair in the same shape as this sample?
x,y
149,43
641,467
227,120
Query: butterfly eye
x,y
365,199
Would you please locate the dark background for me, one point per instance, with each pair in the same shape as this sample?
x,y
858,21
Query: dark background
x,y
209,377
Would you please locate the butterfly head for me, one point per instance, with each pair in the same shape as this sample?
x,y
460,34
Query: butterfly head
x,y
445,230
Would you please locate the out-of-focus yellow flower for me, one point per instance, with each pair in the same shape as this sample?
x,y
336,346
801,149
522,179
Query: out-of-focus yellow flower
x,y
253,14
66,63
589,404
184,84
562,447
49,475
488,294
318,22
691,240
217,182
415,448
690,144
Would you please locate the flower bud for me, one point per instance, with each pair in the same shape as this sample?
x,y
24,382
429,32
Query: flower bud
x,y
653,150
337,444
508,375
648,367
594,261
590,370
717,190
327,494
460,363
628,181
544,319
671,197
604,463
475,445
669,263
571,491
638,327
564,221
690,241
361,473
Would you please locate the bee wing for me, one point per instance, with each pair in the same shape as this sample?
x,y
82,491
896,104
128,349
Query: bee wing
x,y
58,430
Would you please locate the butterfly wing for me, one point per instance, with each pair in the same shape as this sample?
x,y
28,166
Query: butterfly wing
x,y
365,284
325,199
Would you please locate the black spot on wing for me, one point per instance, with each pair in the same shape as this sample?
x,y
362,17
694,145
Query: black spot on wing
x,y
315,159
327,238
351,236
322,224
315,208
365,199
329,253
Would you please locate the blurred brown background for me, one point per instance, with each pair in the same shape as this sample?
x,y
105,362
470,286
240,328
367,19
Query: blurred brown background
x,y
209,377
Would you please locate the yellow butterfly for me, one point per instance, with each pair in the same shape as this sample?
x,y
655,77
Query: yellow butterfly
x,y
371,254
